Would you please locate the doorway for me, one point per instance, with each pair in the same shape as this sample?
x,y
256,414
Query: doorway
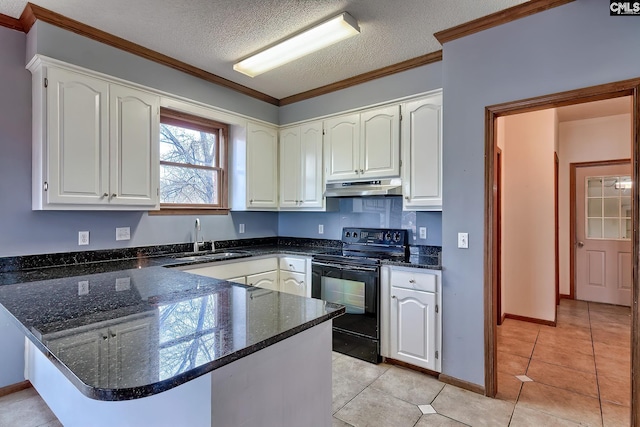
x,y
601,233
614,90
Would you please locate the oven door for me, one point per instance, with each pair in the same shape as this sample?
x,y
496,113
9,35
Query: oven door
x,y
355,287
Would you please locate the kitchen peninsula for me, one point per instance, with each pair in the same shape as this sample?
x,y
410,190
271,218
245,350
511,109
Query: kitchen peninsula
x,y
156,346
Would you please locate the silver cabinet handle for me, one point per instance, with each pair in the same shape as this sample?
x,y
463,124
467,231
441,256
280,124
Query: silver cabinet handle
x,y
361,171
393,296
105,195
356,171
412,281
105,337
251,201
114,195
406,197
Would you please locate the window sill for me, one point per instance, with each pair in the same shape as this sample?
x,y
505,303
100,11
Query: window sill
x,y
190,211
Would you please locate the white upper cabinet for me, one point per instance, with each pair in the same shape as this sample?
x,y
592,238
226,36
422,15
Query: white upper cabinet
x,y
95,142
301,184
135,127
262,167
380,143
363,146
422,153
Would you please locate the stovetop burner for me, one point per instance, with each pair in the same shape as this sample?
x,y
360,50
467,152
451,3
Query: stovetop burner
x,y
370,246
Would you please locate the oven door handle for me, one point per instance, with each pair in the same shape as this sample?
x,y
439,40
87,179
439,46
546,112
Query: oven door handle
x,y
345,267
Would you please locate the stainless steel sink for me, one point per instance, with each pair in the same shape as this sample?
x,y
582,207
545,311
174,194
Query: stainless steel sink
x,y
219,256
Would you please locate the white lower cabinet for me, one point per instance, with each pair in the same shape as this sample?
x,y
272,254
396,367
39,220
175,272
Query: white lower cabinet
x,y
106,353
285,273
266,280
411,309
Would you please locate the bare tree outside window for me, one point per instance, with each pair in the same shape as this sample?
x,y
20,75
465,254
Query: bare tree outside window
x,y
192,162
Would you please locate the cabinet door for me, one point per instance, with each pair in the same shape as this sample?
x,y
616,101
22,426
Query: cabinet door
x,y
290,167
78,139
311,181
342,148
293,283
262,167
267,280
135,125
380,143
413,327
422,154
131,345
85,353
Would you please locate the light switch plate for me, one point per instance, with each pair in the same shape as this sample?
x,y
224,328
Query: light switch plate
x,y
123,233
83,238
83,287
423,232
463,240
241,229
320,228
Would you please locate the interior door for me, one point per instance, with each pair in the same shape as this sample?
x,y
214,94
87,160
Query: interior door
x,y
603,265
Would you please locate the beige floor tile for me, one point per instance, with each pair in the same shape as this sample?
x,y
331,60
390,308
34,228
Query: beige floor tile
x,y
560,403
562,377
515,346
358,370
582,312
508,387
525,417
471,408
337,422
563,339
617,338
29,412
374,408
597,318
344,390
613,368
566,332
615,390
437,420
608,308
574,303
615,415
512,323
410,386
566,357
17,396
581,321
511,363
613,352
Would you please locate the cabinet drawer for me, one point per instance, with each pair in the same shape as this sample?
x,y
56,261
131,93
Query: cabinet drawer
x,y
411,280
298,265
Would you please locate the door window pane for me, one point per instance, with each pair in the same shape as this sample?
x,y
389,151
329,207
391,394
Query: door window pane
x,y
608,207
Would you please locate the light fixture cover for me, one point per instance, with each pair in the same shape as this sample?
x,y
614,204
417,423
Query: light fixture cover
x,y
303,43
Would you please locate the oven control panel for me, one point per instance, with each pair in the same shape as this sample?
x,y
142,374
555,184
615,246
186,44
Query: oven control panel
x,y
374,236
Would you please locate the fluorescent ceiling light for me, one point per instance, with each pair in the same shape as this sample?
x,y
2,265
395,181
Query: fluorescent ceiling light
x,y
318,37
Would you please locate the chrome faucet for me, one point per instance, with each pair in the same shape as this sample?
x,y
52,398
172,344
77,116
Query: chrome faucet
x,y
197,245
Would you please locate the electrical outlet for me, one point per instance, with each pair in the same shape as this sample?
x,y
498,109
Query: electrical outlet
x,y
83,238
123,284
320,228
241,229
463,240
423,232
123,233
83,287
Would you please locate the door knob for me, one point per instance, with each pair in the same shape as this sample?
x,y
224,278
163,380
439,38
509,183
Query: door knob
x,y
579,244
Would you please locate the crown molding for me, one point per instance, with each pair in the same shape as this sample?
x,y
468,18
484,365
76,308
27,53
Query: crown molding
x,y
34,12
9,22
365,77
502,17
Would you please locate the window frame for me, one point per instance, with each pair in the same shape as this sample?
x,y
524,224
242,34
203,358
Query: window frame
x,y
190,121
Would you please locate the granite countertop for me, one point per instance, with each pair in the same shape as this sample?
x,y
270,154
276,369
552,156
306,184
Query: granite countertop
x,y
166,327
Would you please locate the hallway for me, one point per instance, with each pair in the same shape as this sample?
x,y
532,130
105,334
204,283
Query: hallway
x,y
578,371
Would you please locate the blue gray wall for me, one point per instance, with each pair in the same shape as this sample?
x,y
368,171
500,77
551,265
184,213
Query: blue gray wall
x,y
23,231
375,212
572,46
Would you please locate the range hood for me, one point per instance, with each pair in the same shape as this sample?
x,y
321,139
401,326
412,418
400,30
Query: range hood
x,y
385,187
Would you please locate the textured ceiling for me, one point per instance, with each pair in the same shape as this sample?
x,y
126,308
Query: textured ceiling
x,y
213,34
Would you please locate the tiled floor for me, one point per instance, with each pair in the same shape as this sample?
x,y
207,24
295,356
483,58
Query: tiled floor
x,y
580,370
569,378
